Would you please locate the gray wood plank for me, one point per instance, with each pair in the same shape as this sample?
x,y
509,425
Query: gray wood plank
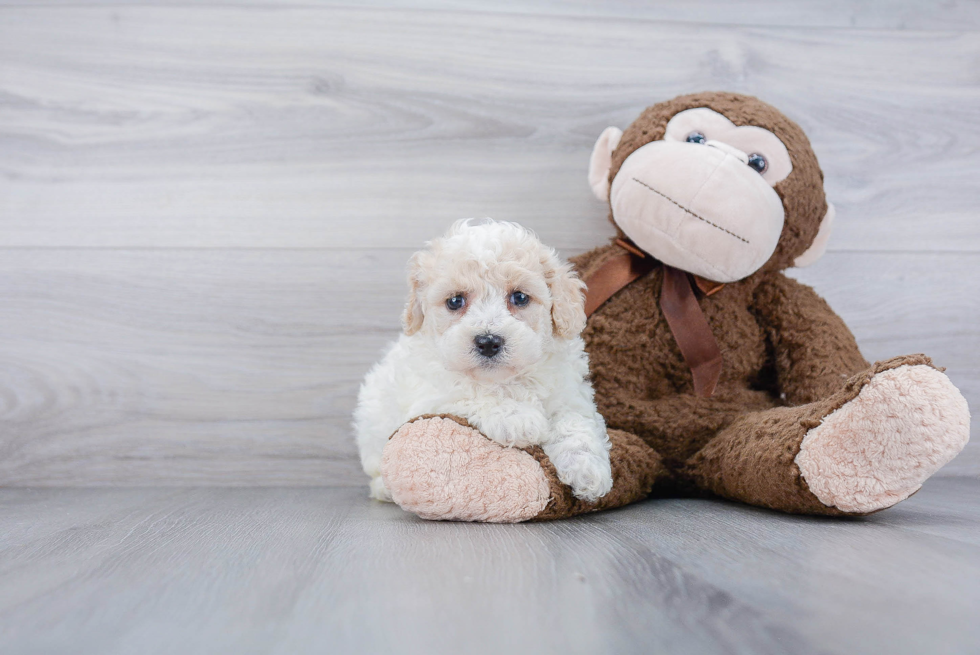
x,y
297,127
241,367
319,570
880,14
823,560
188,367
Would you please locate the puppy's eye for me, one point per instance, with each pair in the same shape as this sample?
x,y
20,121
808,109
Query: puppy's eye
x,y
758,163
456,302
695,137
519,299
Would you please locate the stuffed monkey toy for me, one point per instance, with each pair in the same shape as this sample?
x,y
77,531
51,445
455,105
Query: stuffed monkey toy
x,y
716,373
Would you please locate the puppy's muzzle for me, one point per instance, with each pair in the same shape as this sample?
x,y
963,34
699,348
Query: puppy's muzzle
x,y
488,345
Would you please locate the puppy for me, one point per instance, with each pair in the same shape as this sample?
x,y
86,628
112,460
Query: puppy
x,y
491,335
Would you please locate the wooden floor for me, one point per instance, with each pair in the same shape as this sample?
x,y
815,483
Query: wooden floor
x,y
311,570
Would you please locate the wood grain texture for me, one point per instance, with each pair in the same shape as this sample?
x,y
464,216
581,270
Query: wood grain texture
x,y
241,367
297,127
860,14
205,210
318,570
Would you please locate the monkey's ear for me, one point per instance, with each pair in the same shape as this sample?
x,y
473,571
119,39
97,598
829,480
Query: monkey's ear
x,y
819,245
413,316
601,161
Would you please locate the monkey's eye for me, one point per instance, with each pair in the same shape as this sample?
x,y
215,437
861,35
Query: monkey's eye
x,y
758,163
519,299
456,302
696,137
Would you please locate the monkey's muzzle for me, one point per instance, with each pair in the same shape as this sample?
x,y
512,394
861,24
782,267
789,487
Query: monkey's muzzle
x,y
698,208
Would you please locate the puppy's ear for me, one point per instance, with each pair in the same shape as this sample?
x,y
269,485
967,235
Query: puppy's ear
x,y
414,315
567,299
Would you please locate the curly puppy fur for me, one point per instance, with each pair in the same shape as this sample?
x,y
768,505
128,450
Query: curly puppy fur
x,y
532,392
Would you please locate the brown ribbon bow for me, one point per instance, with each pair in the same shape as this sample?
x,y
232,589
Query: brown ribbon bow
x,y
678,303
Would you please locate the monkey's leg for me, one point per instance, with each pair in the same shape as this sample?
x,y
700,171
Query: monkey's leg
x,y
865,448
636,468
442,469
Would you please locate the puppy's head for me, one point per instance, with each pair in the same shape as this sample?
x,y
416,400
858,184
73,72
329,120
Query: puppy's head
x,y
492,298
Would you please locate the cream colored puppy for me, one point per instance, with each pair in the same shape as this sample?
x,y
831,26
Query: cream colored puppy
x,y
491,335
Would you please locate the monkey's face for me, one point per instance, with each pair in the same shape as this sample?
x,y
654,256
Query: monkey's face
x,y
701,198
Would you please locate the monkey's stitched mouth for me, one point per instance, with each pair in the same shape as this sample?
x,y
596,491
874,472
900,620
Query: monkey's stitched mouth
x,y
697,216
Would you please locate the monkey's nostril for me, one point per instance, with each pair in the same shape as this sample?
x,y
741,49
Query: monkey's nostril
x,y
488,345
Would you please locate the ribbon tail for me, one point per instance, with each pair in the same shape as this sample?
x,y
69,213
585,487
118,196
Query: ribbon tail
x,y
691,331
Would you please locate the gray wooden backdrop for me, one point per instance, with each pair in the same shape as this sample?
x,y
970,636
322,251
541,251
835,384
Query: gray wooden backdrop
x,y
205,211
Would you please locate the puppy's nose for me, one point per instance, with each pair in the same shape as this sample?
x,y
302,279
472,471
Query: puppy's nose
x,y
488,345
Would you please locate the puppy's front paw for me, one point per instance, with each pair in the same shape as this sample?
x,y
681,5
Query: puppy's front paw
x,y
514,425
588,474
378,490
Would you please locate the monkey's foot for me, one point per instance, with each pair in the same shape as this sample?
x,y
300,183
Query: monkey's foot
x,y
879,447
440,468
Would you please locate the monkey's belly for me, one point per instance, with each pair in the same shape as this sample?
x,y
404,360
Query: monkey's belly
x,y
643,385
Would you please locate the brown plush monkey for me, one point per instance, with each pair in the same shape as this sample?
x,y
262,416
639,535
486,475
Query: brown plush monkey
x,y
715,372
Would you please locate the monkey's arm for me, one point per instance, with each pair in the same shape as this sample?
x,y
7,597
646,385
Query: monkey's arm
x,y
814,351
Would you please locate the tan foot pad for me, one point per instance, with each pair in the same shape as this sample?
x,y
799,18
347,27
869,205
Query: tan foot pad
x,y
439,469
879,448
